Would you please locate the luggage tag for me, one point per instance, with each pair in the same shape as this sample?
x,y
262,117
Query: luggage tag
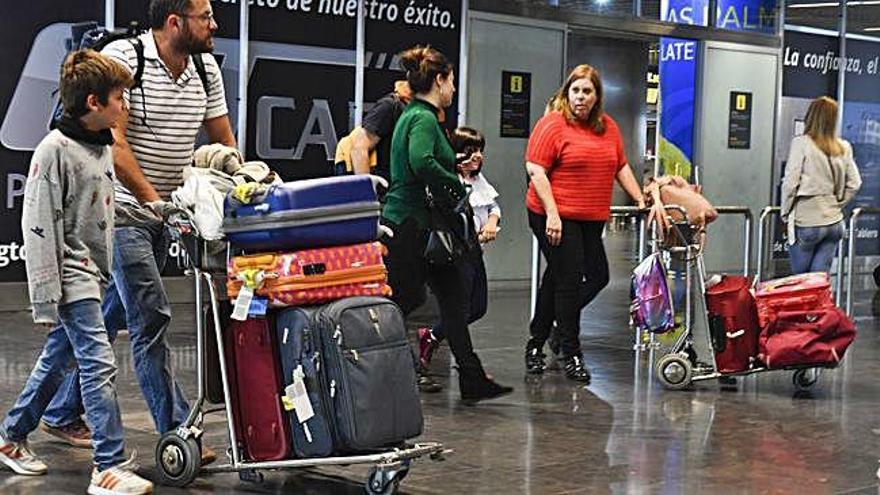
x,y
296,393
243,304
259,306
251,280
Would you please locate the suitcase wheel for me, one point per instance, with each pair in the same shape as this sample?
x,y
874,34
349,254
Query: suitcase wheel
x,y
251,476
177,460
384,480
804,379
675,371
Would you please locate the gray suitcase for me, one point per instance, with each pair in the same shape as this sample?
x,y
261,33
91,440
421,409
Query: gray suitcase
x,y
369,374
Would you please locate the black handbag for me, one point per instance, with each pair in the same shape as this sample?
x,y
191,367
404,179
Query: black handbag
x,y
451,235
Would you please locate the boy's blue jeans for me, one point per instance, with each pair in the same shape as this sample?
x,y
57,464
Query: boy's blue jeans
x,y
136,300
81,338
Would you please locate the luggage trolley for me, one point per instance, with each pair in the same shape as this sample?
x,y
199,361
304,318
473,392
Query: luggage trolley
x,y
681,366
178,452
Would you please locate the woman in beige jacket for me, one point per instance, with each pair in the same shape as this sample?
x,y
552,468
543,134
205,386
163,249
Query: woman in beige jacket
x,y
820,179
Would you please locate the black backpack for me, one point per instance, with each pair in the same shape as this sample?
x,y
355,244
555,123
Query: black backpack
x,y
92,35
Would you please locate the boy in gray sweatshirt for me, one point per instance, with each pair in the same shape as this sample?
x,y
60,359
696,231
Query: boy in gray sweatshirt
x,y
67,226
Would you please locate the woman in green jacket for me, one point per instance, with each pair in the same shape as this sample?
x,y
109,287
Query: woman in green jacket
x,y
422,156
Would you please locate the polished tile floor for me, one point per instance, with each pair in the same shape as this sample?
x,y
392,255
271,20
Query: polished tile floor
x,y
621,434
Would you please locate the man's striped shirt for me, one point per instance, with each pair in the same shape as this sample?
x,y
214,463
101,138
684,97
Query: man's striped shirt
x,y
165,115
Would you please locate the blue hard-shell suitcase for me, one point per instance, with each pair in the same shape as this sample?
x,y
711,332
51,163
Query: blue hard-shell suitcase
x,y
297,347
311,213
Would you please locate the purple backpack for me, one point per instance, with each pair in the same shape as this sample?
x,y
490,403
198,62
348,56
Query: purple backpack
x,y
651,307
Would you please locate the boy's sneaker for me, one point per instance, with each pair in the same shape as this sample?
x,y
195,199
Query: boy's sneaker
x,y
428,385
76,434
427,345
534,360
208,455
575,370
19,457
119,480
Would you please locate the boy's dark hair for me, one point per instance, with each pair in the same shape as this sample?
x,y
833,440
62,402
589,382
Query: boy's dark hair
x,y
422,65
467,140
161,9
87,72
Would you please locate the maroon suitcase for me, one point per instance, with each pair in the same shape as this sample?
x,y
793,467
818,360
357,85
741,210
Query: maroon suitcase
x,y
733,323
262,422
816,337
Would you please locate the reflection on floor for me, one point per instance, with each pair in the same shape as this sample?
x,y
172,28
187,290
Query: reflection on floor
x,y
621,434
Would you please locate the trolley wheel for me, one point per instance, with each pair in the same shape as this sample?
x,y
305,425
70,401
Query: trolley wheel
x,y
804,379
178,460
675,371
251,476
383,481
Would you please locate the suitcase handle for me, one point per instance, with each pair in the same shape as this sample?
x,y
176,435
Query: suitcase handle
x,y
314,269
718,333
783,302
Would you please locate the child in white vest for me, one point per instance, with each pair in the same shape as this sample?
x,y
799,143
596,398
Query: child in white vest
x,y
468,145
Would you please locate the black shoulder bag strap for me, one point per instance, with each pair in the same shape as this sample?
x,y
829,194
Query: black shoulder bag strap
x,y
139,71
200,68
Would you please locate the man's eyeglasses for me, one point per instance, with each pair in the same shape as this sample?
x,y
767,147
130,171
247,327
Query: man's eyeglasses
x,y
207,17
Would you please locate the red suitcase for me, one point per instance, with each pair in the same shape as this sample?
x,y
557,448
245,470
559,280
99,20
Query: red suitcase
x,y
806,291
733,322
817,337
263,424
312,276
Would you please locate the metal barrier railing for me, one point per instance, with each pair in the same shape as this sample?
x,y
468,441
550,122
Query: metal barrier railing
x,y
625,211
630,212
851,252
771,211
762,224
633,211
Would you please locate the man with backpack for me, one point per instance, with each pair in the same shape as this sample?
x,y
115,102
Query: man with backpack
x,y
374,133
171,100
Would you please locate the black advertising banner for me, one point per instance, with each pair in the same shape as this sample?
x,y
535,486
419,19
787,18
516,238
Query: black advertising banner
x,y
812,63
32,49
516,101
300,85
739,125
808,79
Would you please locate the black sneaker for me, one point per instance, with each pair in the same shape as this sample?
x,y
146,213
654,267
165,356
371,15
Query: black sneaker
x,y
535,364
428,385
575,370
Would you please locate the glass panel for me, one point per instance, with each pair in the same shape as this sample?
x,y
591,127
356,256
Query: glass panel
x,y
861,123
813,13
600,7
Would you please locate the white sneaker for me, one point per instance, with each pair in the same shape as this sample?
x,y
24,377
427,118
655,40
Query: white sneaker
x,y
19,457
119,480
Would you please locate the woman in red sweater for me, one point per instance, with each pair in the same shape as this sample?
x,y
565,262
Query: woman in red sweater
x,y
575,154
